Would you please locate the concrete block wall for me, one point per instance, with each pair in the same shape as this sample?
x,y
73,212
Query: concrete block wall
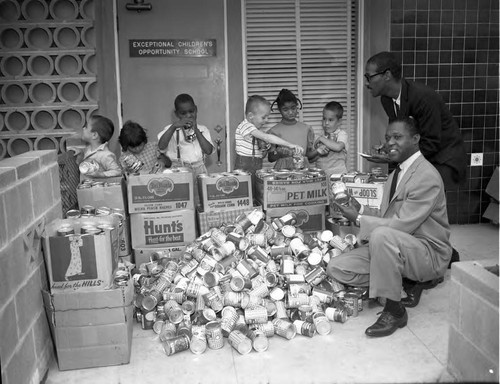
x,y
473,338
30,198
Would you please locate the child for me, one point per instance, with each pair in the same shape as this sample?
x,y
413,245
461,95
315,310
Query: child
x,y
96,160
295,131
139,155
185,141
250,138
331,148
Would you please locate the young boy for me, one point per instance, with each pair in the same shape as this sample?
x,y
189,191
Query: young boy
x,y
331,148
96,160
249,136
138,154
185,141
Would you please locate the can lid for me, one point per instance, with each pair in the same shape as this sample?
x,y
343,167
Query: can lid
x,y
288,231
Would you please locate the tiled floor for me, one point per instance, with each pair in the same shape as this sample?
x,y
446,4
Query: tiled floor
x,y
416,353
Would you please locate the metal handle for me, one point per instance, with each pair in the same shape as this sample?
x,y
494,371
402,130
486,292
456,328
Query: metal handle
x,y
218,141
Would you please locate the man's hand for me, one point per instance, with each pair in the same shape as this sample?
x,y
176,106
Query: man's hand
x,y
349,212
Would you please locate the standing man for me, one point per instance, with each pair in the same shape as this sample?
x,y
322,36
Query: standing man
x,y
440,139
409,238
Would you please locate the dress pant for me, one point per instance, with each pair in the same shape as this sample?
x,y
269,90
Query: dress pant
x,y
381,264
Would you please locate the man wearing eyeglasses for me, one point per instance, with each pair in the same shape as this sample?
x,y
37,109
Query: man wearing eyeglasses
x,y
440,139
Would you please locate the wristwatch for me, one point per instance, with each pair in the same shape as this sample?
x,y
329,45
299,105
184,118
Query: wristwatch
x,y
357,220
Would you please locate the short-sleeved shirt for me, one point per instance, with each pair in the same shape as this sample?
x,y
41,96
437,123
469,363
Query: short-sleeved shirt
x,y
148,155
246,143
189,151
105,158
334,162
299,134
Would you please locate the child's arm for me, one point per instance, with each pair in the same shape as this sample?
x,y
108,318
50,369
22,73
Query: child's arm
x,y
205,144
269,138
165,138
332,145
108,167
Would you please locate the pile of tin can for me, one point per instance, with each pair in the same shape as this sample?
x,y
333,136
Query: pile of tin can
x,y
245,281
290,174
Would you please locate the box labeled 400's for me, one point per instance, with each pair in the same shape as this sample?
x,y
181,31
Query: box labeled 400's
x,y
91,329
368,194
273,193
160,192
228,190
310,218
81,261
162,228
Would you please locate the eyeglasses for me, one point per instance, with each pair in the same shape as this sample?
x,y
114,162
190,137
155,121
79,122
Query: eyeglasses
x,y
368,77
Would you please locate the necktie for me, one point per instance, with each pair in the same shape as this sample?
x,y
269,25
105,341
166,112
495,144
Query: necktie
x,y
394,182
396,109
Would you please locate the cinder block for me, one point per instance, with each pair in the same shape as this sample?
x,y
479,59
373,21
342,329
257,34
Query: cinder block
x,y
24,166
55,212
12,212
467,362
454,308
21,366
29,302
479,322
8,331
13,269
473,275
42,192
7,177
44,157
41,334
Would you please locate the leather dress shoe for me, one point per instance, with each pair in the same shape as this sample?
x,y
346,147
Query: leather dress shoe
x,y
387,324
414,291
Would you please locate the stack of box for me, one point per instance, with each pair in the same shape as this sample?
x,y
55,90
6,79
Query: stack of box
x,y
491,212
111,193
162,215
304,193
223,197
90,317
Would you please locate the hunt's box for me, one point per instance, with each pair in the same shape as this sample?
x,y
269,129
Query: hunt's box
x,y
369,194
160,192
113,194
144,255
274,193
310,218
81,262
214,219
162,229
228,190
91,329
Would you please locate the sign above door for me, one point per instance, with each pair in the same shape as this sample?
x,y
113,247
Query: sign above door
x,y
172,47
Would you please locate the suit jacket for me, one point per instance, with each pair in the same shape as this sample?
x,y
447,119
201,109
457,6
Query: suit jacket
x,y
418,208
440,138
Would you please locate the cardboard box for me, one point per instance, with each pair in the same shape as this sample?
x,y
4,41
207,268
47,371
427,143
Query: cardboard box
x,y
491,212
162,229
272,193
492,187
310,218
81,262
143,255
91,329
160,192
368,194
208,220
125,246
228,190
111,196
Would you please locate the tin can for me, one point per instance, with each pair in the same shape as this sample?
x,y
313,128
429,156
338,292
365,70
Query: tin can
x,y
233,299
281,312
284,328
147,319
240,342
351,302
176,344
228,320
215,338
321,323
267,328
315,276
277,294
89,230
213,300
288,231
87,167
65,230
103,211
188,307
260,342
338,315
87,210
287,266
339,193
246,269
198,344
260,291
255,252
178,297
168,330
304,328
73,214
256,315
297,300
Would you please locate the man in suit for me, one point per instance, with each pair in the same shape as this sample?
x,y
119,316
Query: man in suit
x,y
440,139
407,238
